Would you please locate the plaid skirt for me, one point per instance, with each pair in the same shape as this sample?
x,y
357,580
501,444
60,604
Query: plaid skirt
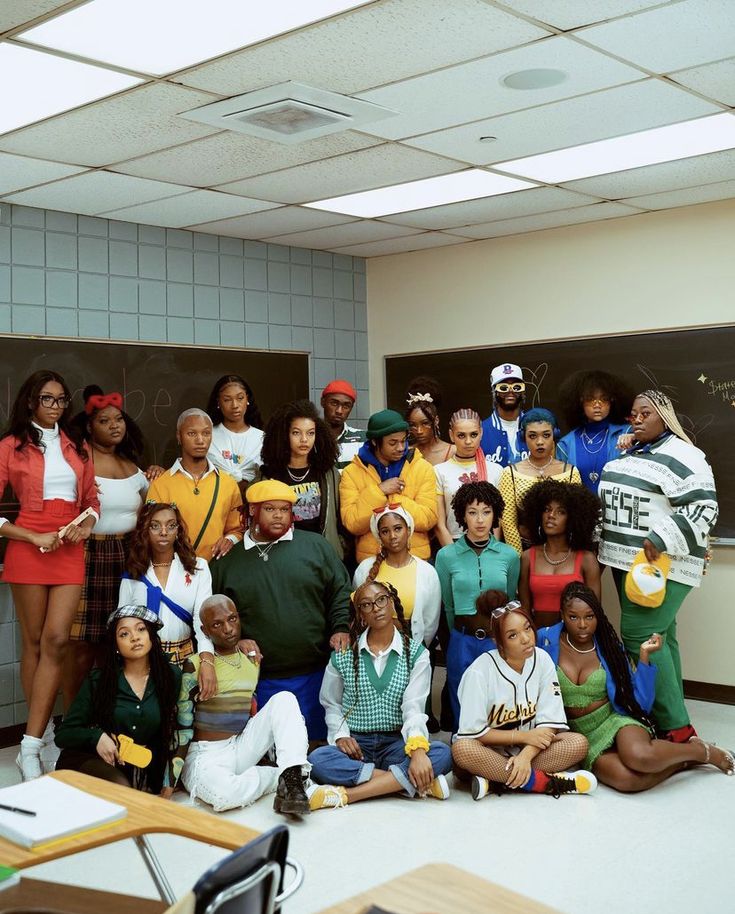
x,y
178,651
105,556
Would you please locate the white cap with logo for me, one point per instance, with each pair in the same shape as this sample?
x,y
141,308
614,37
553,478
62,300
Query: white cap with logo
x,y
506,372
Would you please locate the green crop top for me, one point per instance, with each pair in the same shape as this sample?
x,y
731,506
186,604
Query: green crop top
x,y
593,689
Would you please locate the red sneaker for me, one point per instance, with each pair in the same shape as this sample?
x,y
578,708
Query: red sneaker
x,y
680,734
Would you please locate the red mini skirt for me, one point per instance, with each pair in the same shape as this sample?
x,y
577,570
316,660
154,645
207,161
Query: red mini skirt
x,y
26,564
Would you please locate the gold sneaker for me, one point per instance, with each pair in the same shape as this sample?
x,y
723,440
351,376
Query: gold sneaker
x,y
439,788
326,796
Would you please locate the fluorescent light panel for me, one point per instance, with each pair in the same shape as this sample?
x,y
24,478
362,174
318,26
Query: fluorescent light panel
x,y
649,147
38,85
402,198
161,36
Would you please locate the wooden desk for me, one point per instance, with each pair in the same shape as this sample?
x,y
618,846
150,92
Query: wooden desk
x,y
70,899
147,815
440,889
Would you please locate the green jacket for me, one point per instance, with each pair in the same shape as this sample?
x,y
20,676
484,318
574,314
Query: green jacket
x,y
140,719
291,605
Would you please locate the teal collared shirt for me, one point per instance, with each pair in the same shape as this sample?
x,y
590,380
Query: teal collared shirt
x,y
464,575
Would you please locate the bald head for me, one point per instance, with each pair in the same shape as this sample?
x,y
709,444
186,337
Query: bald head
x,y
220,623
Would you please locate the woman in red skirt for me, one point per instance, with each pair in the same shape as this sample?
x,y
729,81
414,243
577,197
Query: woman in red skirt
x,y
49,470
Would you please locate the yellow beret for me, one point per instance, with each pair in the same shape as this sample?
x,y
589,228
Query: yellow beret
x,y
269,490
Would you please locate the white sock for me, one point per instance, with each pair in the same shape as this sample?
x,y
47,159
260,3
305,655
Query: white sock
x,y
30,745
49,733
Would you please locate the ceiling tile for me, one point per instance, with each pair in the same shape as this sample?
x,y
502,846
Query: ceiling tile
x,y
370,47
598,116
716,80
474,90
569,14
138,122
228,157
706,194
94,193
199,205
521,203
275,222
16,12
549,220
672,37
352,233
379,166
17,172
400,245
653,179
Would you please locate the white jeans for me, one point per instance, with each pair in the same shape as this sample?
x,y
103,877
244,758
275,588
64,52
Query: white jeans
x,y
225,773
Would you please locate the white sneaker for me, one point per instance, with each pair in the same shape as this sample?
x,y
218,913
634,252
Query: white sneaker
x,y
439,788
29,765
480,787
326,796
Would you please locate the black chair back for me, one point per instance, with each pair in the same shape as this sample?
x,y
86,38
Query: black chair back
x,y
247,881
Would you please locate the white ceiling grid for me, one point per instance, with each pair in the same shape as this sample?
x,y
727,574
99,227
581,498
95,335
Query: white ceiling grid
x,y
630,65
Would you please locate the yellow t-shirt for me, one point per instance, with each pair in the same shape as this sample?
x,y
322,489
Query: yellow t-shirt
x,y
404,581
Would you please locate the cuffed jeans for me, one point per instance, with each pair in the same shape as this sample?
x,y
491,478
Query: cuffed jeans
x,y
225,773
384,751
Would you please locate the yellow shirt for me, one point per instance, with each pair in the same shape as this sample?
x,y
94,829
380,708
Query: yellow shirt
x,y
404,581
513,486
179,489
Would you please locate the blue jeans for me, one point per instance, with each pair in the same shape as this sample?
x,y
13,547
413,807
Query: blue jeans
x,y
306,689
384,751
463,650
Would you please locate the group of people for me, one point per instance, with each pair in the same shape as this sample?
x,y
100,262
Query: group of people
x,y
264,616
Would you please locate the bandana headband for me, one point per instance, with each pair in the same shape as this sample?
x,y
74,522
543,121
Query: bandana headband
x,y
100,401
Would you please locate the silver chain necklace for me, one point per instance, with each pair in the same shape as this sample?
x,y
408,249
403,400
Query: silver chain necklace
x,y
561,560
263,553
296,478
540,470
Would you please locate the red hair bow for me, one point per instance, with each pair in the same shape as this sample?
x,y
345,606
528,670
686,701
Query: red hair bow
x,y
100,401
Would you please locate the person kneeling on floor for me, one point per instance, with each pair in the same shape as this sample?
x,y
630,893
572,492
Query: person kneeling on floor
x,y
374,697
223,739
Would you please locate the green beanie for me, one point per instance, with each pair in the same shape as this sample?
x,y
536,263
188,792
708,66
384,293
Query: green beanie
x,y
386,422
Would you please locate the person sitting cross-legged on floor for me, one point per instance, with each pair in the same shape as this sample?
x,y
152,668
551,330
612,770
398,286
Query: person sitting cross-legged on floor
x,y
374,696
222,739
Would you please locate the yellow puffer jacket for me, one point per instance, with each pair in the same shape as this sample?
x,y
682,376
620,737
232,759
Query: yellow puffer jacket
x,y
360,495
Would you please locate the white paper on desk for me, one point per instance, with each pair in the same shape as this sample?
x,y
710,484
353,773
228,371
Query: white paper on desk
x,y
60,810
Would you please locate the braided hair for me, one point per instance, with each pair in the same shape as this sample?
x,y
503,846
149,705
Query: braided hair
x,y
611,648
357,627
425,395
382,553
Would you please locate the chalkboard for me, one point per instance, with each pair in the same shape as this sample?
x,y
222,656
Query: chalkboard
x,y
157,382
696,368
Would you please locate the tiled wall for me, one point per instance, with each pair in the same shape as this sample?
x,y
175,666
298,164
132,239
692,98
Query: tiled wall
x,y
77,276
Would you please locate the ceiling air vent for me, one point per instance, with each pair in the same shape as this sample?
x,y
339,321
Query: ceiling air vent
x,y
289,113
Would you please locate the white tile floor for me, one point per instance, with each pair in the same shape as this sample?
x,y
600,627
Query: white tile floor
x,y
669,850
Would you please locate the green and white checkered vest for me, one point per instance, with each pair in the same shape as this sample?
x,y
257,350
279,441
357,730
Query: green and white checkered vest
x,y
376,706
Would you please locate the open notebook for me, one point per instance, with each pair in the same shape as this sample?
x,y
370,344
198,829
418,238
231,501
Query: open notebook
x,y
60,810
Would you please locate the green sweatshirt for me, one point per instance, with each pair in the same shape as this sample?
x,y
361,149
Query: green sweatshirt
x,y
291,605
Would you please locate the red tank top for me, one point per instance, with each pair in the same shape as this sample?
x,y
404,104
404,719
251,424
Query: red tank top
x,y
546,588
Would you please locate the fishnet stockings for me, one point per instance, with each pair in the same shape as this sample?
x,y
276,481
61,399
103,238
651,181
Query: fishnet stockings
x,y
566,750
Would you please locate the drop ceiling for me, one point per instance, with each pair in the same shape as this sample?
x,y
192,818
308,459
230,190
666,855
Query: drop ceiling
x,y
629,65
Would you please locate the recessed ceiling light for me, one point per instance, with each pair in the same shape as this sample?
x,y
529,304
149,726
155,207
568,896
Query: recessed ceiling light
x,y
403,198
540,78
38,85
648,147
488,139
161,36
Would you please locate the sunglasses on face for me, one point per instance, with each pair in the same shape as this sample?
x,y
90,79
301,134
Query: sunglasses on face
x,y
590,401
517,387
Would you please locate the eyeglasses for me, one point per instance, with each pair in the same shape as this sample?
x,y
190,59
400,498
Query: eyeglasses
x,y
516,388
48,401
603,401
155,527
368,606
508,608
